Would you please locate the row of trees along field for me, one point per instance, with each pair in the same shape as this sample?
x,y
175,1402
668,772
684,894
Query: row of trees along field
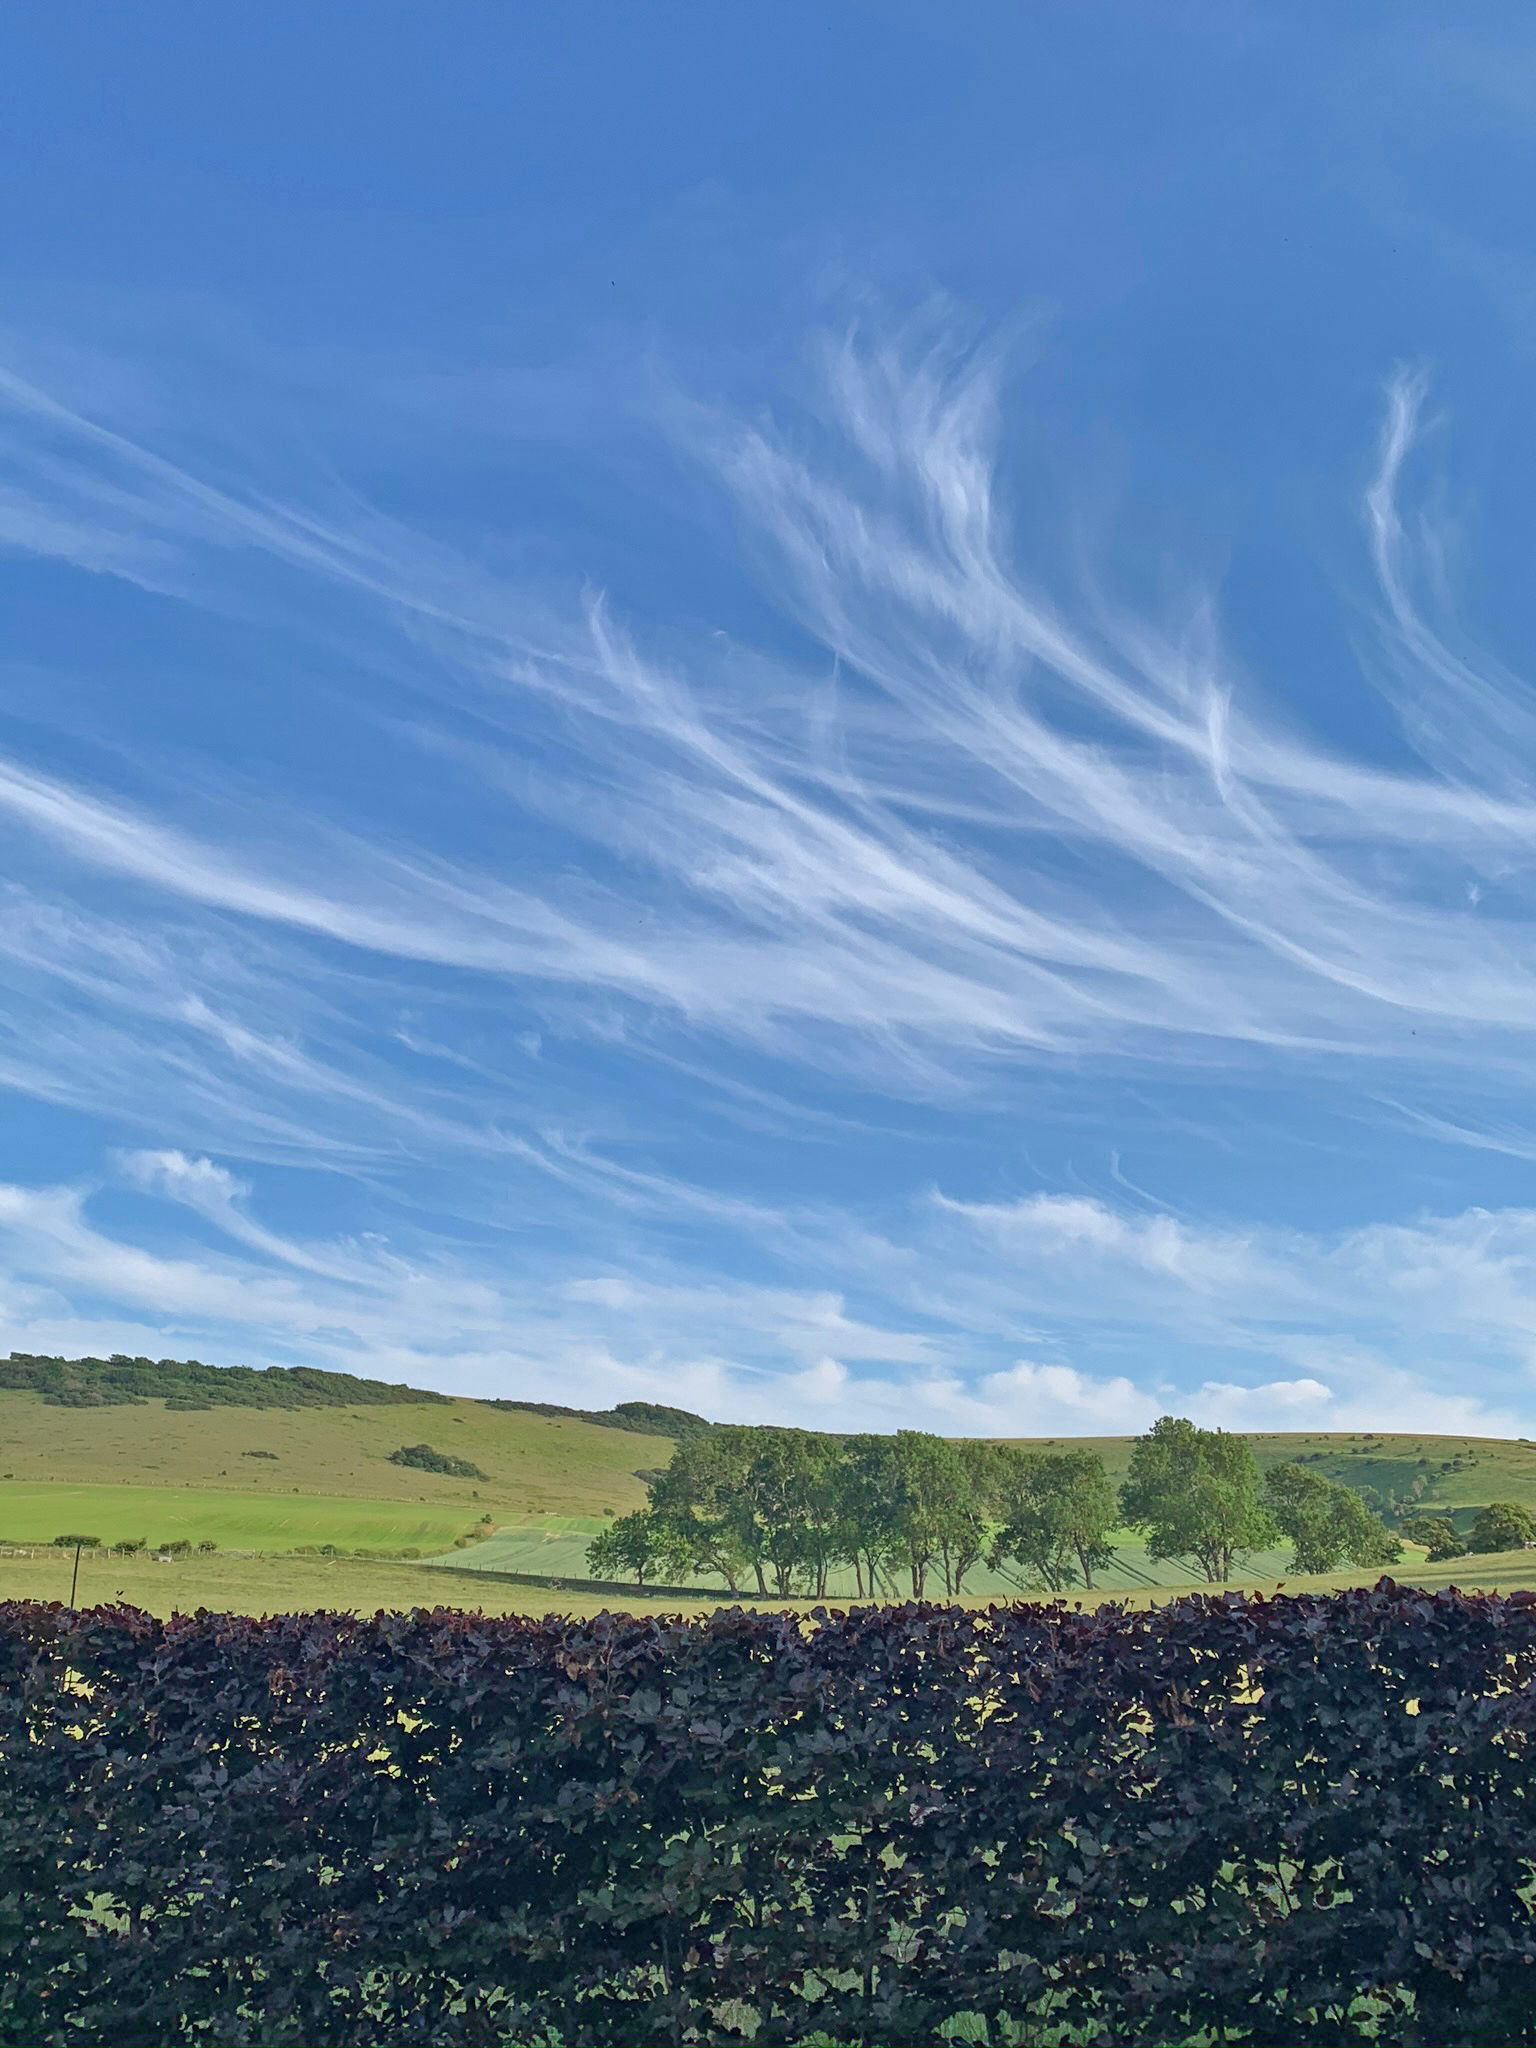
x,y
779,1510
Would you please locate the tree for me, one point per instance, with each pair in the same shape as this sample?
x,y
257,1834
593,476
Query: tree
x,y
710,1545
869,1509
638,1546
1327,1524
1438,1535
963,1542
1032,1536
720,1489
1056,1510
822,1535
1196,1494
931,1512
1502,1525
775,1478
787,1487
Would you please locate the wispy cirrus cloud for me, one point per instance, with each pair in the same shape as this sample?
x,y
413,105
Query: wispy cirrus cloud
x,y
948,833
1176,876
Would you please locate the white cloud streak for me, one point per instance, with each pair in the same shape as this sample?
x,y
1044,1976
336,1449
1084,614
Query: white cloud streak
x,y
979,835
1230,885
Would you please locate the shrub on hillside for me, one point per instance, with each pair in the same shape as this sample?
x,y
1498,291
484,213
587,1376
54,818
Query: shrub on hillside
x,y
422,1458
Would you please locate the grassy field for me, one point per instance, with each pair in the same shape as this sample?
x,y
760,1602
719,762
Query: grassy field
x,y
285,1584
35,1512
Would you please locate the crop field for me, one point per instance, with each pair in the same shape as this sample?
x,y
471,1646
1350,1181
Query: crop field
x,y
562,1553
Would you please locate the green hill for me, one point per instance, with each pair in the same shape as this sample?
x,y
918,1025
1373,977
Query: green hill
x,y
283,1463
274,1478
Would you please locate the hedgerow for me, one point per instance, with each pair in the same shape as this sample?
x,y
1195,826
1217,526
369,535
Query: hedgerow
x,y
1297,1820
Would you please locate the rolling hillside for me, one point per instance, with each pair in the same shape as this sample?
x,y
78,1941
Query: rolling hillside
x,y
285,1479
269,1478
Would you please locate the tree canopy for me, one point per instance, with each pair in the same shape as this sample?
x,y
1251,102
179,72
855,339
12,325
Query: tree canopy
x,y
1327,1524
1439,1536
1502,1525
1195,1493
1057,1511
780,1510
119,1381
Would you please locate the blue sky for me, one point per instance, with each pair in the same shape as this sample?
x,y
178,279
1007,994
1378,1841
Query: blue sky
x,y
818,711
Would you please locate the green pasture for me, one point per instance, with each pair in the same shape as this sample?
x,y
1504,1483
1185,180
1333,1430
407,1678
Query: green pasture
x,y
37,1511
284,1583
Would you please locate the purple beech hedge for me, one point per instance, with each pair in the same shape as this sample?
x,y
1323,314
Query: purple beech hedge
x,y
1291,1820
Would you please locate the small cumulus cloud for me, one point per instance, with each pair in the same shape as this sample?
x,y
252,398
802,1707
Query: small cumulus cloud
x,y
197,1182
1256,1407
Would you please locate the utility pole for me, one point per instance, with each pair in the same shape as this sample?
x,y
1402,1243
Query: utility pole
x,y
75,1580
